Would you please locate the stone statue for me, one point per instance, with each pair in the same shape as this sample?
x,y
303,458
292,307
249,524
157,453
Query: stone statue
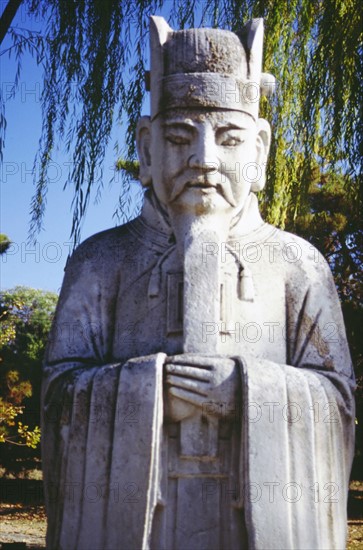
x,y
197,385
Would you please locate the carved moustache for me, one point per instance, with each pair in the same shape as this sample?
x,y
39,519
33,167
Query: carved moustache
x,y
190,179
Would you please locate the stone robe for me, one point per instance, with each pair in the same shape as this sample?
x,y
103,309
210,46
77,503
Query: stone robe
x,y
104,432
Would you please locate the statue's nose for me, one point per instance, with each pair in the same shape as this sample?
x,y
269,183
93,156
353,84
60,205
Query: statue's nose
x,y
204,157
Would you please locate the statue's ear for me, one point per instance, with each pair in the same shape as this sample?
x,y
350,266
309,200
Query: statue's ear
x,y
263,139
143,141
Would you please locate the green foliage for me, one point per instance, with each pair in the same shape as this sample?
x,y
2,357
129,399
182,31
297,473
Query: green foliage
x,y
25,320
131,167
5,242
32,438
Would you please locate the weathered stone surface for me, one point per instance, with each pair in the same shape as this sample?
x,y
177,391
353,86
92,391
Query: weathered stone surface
x,y
198,386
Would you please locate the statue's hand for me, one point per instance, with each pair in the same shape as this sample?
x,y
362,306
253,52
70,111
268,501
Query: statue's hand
x,y
211,384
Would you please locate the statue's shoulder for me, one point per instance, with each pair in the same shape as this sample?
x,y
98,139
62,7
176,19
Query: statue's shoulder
x,y
300,257
106,248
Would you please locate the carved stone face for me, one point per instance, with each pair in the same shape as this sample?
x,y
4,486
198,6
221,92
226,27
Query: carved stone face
x,y
203,161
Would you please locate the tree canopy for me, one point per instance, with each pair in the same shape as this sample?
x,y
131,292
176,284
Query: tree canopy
x,y
95,58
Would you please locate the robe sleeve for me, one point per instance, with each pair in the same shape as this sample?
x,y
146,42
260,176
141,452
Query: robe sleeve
x,y
101,420
299,427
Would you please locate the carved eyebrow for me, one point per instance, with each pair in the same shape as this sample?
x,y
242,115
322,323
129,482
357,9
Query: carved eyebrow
x,y
225,126
178,125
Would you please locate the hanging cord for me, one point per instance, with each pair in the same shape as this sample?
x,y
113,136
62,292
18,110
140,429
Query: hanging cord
x,y
245,285
155,277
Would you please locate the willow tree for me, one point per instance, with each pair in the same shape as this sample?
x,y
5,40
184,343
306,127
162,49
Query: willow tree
x,y
94,54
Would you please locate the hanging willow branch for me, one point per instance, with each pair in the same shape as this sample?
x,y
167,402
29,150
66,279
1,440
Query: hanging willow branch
x,y
95,62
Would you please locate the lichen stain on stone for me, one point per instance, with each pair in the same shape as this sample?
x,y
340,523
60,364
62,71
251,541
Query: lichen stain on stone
x,y
221,56
328,363
308,326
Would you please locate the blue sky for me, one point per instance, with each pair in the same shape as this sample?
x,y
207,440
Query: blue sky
x,y
42,265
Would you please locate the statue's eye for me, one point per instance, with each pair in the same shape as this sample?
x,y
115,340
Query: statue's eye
x,y
177,139
231,141
230,137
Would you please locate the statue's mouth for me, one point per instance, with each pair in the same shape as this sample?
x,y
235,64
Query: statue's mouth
x,y
204,184
201,185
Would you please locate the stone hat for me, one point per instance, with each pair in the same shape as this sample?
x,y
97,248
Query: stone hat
x,y
209,68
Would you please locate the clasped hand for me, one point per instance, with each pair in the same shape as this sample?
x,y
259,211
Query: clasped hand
x,y
192,381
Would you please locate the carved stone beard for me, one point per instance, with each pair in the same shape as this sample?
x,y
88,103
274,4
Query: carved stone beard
x,y
188,226
201,273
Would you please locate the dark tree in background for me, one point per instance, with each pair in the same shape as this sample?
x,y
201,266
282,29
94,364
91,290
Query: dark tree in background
x,y
25,318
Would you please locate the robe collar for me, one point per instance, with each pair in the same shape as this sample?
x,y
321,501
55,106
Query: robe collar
x,y
154,226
